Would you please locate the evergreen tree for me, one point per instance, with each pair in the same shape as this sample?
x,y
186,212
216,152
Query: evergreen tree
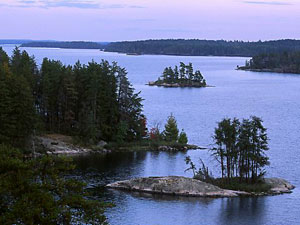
x,y
17,113
36,191
182,139
171,131
182,72
240,148
3,57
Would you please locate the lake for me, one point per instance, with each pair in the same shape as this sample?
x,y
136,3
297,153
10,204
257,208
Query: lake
x,y
274,97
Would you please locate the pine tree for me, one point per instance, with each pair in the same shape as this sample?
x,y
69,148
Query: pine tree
x,y
37,191
171,131
17,113
182,139
3,57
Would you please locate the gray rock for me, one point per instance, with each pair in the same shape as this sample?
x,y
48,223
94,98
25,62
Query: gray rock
x,y
174,185
279,186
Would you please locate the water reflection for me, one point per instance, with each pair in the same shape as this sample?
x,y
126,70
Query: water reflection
x,y
239,210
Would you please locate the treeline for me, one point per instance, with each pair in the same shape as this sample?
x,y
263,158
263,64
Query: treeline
x,y
93,102
65,44
183,76
203,47
192,47
240,148
285,62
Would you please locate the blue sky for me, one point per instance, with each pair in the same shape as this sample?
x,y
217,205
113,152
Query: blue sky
x,y
103,20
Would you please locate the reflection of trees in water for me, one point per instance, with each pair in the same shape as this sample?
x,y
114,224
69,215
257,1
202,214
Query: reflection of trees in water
x,y
242,210
113,166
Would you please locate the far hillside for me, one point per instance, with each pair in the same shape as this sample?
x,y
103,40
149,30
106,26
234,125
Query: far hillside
x,y
203,47
65,44
181,47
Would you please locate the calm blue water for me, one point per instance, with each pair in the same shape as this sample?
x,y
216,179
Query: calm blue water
x,y
274,97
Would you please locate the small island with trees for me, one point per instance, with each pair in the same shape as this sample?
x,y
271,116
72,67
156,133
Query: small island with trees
x,y
182,76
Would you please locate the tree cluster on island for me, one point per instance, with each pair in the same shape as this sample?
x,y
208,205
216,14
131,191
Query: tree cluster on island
x,y
240,150
182,76
170,135
284,62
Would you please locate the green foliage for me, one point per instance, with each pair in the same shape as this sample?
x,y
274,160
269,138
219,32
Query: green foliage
x,y
171,131
17,113
240,148
237,185
183,77
182,139
283,62
89,101
37,191
3,57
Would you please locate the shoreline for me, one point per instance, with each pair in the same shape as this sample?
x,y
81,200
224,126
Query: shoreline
x,y
177,85
57,144
276,70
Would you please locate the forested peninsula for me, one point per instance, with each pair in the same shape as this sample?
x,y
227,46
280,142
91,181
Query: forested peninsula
x,y
65,44
58,106
190,47
182,76
285,62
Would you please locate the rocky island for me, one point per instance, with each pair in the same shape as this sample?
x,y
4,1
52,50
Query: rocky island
x,y
184,76
183,186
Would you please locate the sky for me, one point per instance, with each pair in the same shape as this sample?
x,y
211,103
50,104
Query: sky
x,y
116,20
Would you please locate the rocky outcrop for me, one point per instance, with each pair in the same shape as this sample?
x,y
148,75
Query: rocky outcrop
x,y
173,185
279,186
183,186
166,148
62,145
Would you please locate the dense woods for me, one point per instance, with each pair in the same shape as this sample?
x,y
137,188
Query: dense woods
x,y
203,47
285,62
182,76
193,47
93,102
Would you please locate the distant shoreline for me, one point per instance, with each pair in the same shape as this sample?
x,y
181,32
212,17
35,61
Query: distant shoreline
x,y
275,70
